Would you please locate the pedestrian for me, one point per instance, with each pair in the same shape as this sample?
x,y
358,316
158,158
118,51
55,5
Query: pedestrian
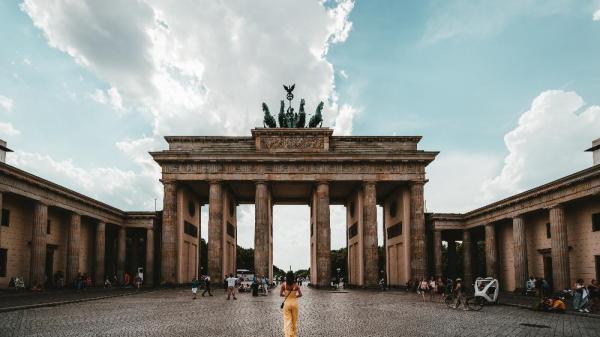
x,y
459,294
578,295
206,286
441,288
195,285
594,290
291,292
432,289
231,281
423,288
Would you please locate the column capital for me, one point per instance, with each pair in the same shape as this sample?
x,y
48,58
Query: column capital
x,y
418,182
322,182
168,181
261,182
556,206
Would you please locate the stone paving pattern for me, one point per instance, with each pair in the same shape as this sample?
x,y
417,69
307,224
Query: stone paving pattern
x,y
322,313
11,298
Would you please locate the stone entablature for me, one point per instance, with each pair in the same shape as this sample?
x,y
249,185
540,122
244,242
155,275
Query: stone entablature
x,y
19,182
140,220
579,185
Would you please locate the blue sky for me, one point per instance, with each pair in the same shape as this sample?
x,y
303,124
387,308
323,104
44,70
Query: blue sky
x,y
508,91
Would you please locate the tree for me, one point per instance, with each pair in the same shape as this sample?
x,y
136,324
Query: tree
x,y
245,258
203,257
339,259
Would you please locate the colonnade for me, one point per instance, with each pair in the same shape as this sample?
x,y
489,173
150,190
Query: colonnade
x,y
73,249
558,241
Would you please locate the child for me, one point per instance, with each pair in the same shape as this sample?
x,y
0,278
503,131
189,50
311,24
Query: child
x,y
195,285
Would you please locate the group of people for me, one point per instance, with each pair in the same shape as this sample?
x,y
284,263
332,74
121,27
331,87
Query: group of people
x,y
290,291
586,297
432,288
127,281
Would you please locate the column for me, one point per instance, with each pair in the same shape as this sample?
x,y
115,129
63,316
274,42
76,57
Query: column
x,y
100,253
520,258
418,239
38,245
559,245
149,272
261,229
371,256
323,236
168,260
437,252
73,248
467,254
491,254
122,235
451,257
215,232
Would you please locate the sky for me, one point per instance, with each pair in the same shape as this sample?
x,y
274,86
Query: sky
x,y
507,91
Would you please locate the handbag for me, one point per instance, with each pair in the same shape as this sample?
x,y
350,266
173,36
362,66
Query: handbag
x,y
282,303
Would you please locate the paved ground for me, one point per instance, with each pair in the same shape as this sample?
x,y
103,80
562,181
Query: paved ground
x,y
9,298
322,313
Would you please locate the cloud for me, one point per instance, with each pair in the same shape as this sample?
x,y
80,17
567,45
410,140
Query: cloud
x,y
455,180
548,143
110,97
481,18
120,188
597,15
7,129
6,103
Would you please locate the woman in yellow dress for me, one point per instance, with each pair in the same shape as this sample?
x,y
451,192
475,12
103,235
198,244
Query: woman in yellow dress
x,y
291,291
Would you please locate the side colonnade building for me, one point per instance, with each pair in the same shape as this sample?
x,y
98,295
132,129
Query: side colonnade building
x,y
551,231
46,228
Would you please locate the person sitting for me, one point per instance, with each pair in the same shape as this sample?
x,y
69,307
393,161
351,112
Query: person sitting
x,y
107,283
530,286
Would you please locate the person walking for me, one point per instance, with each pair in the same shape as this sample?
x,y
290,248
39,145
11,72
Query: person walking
x,y
206,286
432,289
459,294
231,281
578,295
423,288
195,285
291,291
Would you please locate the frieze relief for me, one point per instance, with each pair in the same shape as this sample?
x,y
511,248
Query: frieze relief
x,y
297,168
307,144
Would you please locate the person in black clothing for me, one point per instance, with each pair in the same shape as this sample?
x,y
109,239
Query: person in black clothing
x,y
206,286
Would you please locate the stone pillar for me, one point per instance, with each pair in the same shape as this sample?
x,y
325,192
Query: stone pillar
x,y
215,232
261,229
520,258
560,248
451,259
73,244
168,260
418,239
38,245
149,272
437,252
371,256
122,235
100,253
491,254
467,265
323,236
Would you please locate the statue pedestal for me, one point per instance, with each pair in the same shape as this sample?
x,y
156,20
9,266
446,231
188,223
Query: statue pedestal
x,y
292,140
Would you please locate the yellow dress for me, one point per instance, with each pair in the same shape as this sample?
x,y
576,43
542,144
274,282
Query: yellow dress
x,y
290,314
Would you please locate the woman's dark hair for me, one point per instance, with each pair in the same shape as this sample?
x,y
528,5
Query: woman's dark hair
x,y
290,278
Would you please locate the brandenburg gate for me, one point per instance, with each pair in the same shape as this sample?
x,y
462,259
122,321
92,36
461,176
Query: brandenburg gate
x,y
295,165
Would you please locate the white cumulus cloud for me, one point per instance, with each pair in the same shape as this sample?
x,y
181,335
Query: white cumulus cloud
x,y
7,129
6,103
110,97
597,15
548,143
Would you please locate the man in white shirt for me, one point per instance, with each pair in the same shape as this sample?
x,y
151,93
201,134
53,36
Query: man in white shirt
x,y
231,281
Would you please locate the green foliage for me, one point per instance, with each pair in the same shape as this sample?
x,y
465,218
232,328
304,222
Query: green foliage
x,y
339,259
245,258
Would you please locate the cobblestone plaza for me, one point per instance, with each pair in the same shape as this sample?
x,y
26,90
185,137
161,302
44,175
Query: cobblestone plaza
x,y
322,313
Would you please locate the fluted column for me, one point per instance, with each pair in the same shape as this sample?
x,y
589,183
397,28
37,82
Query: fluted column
x,y
560,248
261,229
168,260
100,252
149,272
73,244
491,262
437,252
38,245
122,235
520,247
323,235
371,256
215,231
418,239
0,219
467,254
